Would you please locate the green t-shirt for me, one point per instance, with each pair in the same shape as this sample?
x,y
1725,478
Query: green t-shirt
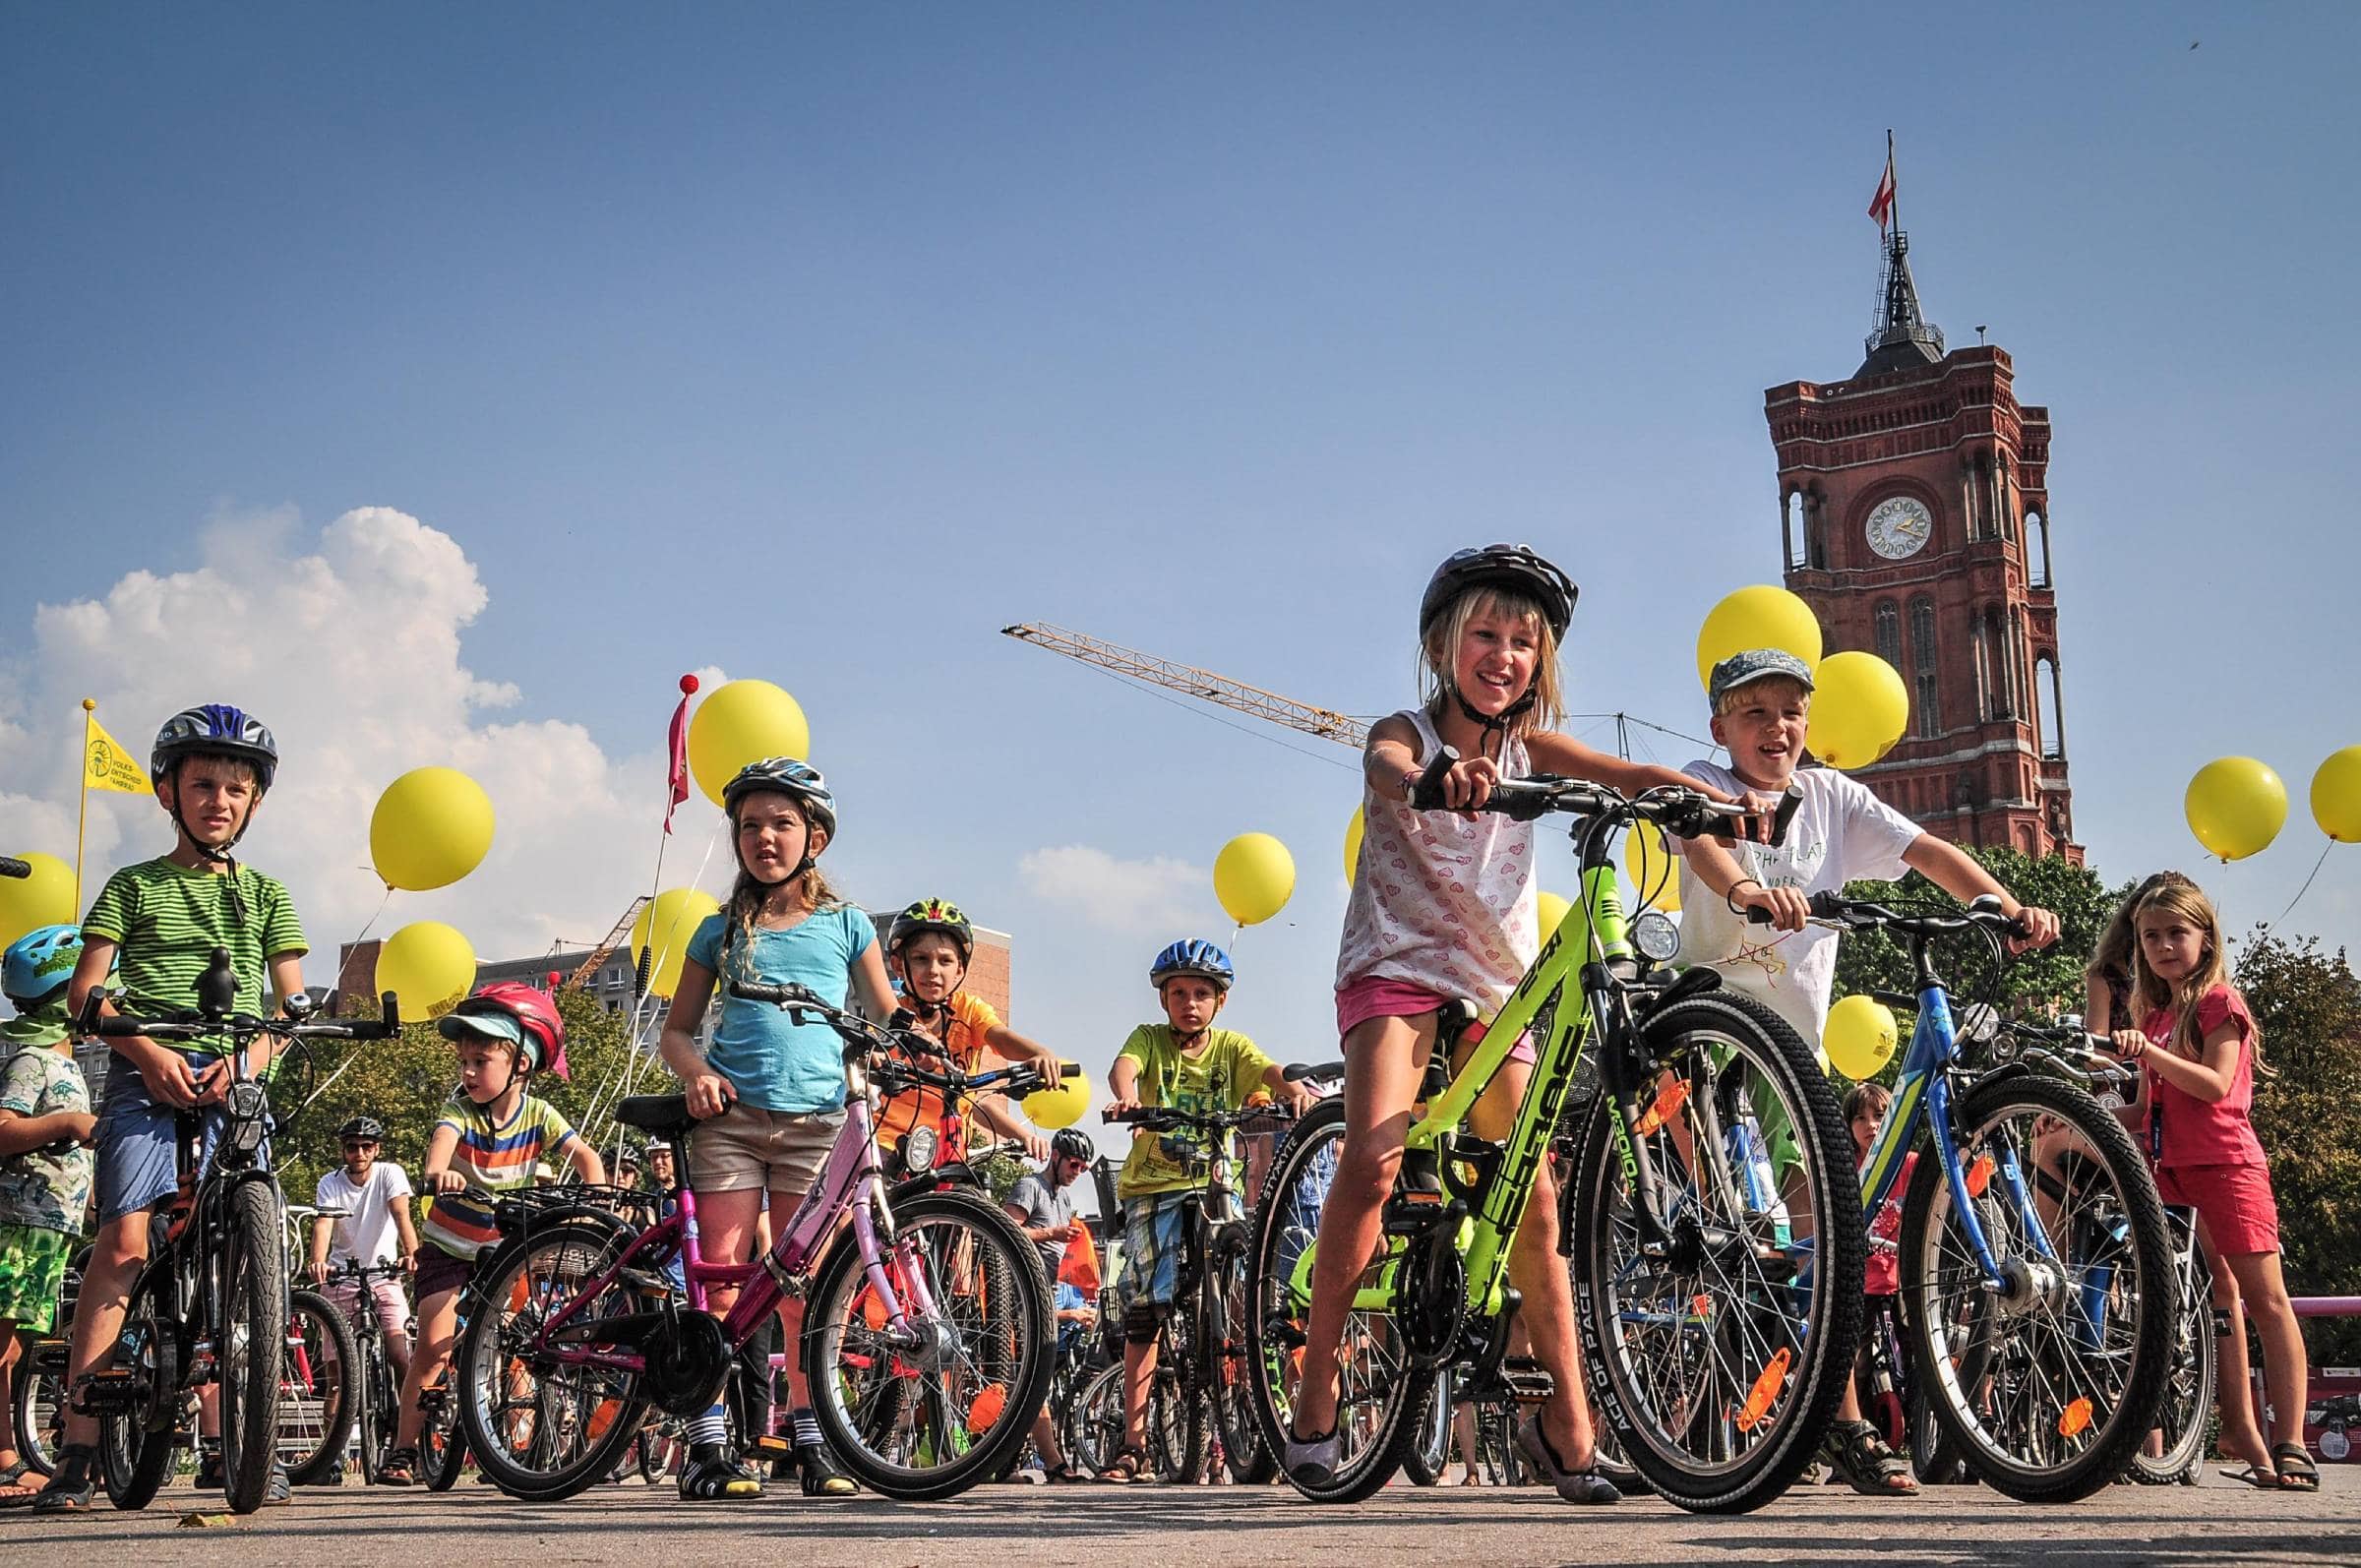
x,y
166,920
1218,1077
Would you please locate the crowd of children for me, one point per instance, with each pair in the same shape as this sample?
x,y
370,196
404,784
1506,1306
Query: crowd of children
x,y
1445,907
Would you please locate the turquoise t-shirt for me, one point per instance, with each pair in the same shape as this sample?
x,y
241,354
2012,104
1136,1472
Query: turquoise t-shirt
x,y
772,1062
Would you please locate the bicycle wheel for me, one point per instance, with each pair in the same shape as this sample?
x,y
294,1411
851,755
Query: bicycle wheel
x,y
135,1445
252,1319
380,1407
1380,1389
2189,1395
975,1354
1177,1397
1250,1458
39,1412
1093,1433
2048,1385
441,1441
320,1391
542,1430
1719,1363
1430,1455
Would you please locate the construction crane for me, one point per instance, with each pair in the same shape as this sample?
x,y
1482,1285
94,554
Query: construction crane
x,y
1204,685
598,955
1253,700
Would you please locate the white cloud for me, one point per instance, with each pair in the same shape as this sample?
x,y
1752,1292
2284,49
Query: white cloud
x,y
347,644
1130,895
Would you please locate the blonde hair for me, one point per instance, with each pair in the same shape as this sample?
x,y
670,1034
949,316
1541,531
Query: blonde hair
x,y
1437,648
1737,693
750,892
2111,960
2151,990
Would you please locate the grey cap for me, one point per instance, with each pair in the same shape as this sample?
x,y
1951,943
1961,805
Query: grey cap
x,y
1755,664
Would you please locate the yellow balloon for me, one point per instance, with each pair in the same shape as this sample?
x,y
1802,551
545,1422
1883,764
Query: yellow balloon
x,y
669,920
2336,796
1060,1104
431,828
1860,1038
1253,877
1649,865
1353,832
743,721
1859,709
45,898
1760,617
1553,910
2235,806
427,966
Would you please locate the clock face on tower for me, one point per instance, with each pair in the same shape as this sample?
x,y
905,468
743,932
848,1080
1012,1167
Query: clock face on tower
x,y
1900,527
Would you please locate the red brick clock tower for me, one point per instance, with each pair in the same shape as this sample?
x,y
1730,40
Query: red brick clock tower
x,y
1915,511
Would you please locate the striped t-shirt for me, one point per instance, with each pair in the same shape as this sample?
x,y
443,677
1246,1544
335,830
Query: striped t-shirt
x,y
499,1159
166,920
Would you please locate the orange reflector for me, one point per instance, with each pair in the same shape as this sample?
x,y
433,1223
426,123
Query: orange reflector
x,y
1702,1305
985,1412
1667,1101
1980,1175
1765,1391
2076,1417
603,1418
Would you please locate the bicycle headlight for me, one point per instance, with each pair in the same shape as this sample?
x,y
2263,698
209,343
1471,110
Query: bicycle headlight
x,y
249,1117
1655,937
918,1150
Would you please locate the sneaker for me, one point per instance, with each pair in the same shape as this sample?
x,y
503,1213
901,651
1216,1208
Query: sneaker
x,y
280,1491
1312,1461
822,1478
209,1470
713,1472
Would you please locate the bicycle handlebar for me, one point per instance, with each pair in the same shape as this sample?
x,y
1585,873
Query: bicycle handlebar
x,y
1169,1119
1679,812
10,866
217,991
1859,914
861,1037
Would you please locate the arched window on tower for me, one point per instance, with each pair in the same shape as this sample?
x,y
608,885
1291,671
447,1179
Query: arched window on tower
x,y
1889,632
2036,533
1815,530
1791,529
2053,704
1925,689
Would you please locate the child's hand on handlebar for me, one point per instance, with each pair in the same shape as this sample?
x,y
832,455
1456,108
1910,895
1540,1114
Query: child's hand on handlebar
x,y
2041,929
168,1078
1117,1107
1786,906
1465,786
708,1095
447,1181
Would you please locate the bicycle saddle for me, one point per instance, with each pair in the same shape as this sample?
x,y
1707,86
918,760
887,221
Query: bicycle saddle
x,y
661,1114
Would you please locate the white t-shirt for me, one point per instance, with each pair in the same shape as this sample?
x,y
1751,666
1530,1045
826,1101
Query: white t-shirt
x,y
1840,834
367,1231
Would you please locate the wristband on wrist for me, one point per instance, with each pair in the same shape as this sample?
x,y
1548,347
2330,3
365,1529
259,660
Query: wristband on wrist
x,y
1730,898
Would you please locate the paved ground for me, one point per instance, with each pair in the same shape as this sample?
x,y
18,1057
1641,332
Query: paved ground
x,y
1013,1527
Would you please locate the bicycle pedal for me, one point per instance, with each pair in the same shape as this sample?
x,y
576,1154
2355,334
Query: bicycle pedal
x,y
1412,1213
772,1446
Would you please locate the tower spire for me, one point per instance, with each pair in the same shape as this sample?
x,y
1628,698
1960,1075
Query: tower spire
x,y
1900,335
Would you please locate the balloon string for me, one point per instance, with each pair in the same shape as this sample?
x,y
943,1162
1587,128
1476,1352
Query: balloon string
x,y
366,929
2270,925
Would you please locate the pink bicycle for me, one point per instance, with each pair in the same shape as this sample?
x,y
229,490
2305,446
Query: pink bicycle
x,y
926,1333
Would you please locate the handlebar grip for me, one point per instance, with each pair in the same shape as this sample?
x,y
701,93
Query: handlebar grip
x,y
1758,917
1790,802
10,866
1427,793
1828,906
782,996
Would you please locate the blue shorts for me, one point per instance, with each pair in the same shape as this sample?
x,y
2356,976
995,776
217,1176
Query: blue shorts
x,y
138,1138
1152,1247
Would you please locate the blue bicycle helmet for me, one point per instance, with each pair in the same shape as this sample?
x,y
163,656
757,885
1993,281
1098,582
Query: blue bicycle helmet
x,y
215,729
784,776
1192,955
39,963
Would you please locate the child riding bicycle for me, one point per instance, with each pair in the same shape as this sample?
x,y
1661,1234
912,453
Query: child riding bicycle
x,y
160,920
1188,1065
45,1126
929,947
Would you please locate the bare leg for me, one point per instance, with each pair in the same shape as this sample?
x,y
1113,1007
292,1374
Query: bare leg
x,y
438,1327
2285,1370
116,1256
1139,1369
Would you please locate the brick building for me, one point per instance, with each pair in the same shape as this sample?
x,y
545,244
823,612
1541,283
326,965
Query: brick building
x,y
1914,518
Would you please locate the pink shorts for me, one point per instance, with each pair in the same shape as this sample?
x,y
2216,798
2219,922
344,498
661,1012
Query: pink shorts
x,y
2235,1200
1377,998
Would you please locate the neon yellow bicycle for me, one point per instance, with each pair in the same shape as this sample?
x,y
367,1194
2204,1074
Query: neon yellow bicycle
x,y
1710,1144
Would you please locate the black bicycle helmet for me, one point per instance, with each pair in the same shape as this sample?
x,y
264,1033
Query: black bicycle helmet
x,y
366,1128
789,776
1072,1143
939,915
1513,566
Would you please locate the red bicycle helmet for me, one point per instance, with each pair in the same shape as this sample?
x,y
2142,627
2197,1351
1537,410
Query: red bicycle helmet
x,y
536,1016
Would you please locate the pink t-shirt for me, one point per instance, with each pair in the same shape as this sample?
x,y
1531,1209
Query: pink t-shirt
x,y
1440,900
2198,1132
1883,1277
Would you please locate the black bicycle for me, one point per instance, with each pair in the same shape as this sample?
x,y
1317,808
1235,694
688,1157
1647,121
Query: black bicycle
x,y
211,1305
378,1405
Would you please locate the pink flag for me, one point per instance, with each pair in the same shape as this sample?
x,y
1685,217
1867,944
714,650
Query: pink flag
x,y
678,775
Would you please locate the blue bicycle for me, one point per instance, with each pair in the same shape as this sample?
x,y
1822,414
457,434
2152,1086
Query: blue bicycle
x,y
2038,1288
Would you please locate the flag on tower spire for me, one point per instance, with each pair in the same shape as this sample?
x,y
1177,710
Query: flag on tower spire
x,y
1881,205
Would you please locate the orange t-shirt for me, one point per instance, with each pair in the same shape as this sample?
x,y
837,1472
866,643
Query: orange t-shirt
x,y
972,1019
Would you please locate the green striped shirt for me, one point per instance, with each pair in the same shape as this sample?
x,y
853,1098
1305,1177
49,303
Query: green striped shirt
x,y
167,919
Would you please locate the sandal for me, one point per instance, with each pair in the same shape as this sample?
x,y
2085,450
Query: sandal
x,y
1063,1473
1125,1467
398,1468
1867,1465
69,1491
1584,1485
2263,1476
2297,1472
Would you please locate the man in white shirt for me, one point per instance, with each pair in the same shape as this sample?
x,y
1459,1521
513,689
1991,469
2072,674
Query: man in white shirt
x,y
372,1201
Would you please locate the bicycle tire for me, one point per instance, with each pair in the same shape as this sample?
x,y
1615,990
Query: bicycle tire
x,y
1381,1388
1093,1433
1249,1459
2014,1360
991,1337
380,1408
542,1431
252,1317
319,1390
135,1446
1175,1425
442,1448
1676,1382
2189,1395
1430,1455
39,1413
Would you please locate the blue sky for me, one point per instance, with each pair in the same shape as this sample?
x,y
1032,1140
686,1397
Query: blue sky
x,y
819,343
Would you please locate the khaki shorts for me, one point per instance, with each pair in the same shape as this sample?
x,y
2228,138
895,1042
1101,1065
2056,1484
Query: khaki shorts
x,y
748,1149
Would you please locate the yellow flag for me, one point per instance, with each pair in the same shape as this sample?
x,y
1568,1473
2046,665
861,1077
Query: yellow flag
x,y
108,766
